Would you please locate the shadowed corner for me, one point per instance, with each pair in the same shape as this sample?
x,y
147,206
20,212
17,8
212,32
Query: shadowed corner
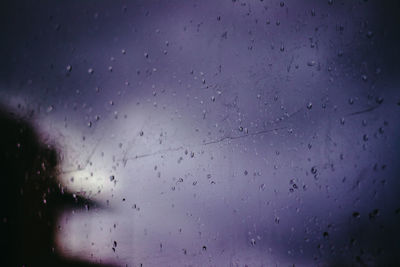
x,y
32,197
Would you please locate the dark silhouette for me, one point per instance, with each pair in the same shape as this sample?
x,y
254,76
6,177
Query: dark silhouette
x,y
31,197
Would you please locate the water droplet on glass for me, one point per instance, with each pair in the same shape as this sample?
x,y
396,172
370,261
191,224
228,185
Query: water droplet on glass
x,y
262,187
313,170
364,123
325,234
379,100
351,101
364,77
372,215
311,63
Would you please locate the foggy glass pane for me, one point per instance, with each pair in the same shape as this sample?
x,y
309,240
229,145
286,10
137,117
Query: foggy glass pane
x,y
209,133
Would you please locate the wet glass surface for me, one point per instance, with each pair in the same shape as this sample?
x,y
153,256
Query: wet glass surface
x,y
214,133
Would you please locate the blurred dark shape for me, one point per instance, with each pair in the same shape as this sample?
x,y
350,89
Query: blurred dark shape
x,y
31,197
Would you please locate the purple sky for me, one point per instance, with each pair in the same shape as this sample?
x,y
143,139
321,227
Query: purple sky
x,y
235,132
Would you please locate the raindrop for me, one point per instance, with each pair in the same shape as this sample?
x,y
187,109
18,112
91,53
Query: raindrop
x,y
351,101
379,100
364,123
313,170
262,187
364,77
372,215
325,234
311,63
